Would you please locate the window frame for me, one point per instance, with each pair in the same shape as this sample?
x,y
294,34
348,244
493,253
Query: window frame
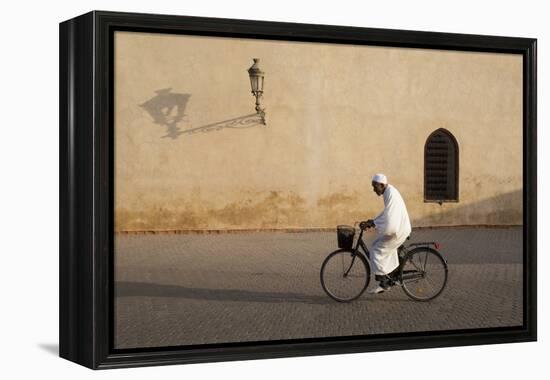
x,y
453,139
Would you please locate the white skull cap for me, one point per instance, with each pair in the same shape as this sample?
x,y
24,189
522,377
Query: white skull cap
x,y
380,178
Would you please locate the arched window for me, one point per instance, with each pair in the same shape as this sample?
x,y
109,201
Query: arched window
x,y
441,167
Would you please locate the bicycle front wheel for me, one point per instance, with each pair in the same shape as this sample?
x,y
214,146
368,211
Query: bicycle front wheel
x,y
424,274
345,275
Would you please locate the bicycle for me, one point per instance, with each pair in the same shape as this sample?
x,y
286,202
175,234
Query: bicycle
x,y
346,272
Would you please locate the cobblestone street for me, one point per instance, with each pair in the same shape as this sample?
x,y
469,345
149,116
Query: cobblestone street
x,y
182,289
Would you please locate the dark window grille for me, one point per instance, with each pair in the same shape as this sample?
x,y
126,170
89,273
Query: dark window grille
x,y
441,167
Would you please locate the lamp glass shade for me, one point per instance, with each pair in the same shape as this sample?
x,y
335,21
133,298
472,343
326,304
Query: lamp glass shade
x,y
256,76
261,83
254,83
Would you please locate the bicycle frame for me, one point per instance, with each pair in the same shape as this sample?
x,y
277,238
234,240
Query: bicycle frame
x,y
365,251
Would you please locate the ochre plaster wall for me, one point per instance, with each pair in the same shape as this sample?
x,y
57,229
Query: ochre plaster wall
x,y
336,114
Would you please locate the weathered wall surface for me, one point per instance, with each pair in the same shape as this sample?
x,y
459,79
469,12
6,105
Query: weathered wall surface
x,y
188,156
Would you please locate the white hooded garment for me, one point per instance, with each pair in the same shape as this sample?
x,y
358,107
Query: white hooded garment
x,y
392,229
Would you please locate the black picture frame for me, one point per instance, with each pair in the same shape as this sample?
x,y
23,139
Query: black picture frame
x,y
86,188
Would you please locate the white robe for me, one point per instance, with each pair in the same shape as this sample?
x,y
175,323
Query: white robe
x,y
392,229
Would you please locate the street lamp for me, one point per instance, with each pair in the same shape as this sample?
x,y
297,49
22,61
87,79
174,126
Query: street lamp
x,y
257,85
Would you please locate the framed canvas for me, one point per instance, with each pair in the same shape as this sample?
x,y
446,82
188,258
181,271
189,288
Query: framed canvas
x,y
220,182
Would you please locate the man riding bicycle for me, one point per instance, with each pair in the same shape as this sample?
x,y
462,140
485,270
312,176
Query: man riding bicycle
x,y
392,229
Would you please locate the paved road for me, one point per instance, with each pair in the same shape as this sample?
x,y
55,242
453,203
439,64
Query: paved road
x,y
195,289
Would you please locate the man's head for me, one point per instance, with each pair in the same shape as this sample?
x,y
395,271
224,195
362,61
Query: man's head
x,y
379,184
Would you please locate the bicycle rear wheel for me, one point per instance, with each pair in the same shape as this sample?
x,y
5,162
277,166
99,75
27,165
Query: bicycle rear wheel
x,y
424,274
345,275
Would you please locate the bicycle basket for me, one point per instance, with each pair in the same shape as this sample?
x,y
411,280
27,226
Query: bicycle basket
x,y
345,236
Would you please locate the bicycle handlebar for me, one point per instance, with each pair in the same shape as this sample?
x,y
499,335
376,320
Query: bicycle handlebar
x,y
360,222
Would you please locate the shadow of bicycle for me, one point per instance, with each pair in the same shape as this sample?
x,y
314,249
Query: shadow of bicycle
x,y
144,289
